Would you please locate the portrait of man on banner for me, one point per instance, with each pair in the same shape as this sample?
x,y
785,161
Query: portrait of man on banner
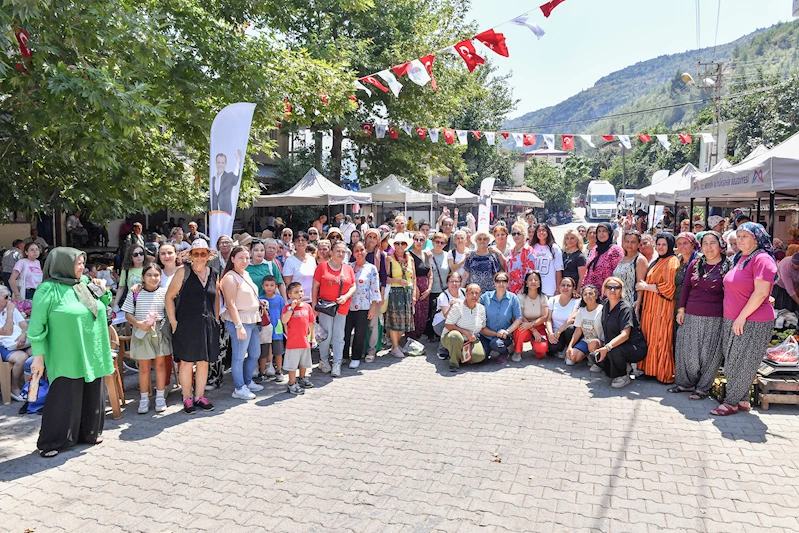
x,y
224,183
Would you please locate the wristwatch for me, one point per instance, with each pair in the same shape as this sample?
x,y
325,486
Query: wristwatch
x,y
239,326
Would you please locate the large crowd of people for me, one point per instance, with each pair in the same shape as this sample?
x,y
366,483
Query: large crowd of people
x,y
630,303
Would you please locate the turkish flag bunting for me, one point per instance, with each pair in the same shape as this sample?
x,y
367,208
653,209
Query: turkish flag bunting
x,y
449,135
288,107
374,81
494,41
352,97
368,128
504,134
401,70
422,132
323,96
466,50
428,61
549,6
476,134
529,139
609,138
685,138
567,142
644,138
393,133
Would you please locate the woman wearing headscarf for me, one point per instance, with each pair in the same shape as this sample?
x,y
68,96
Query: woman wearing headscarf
x,y
657,310
603,258
69,335
697,353
687,249
748,315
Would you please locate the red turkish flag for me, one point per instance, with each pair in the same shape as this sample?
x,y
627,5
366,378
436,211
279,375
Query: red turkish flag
x,y
494,41
466,50
22,39
422,132
368,128
428,61
567,142
323,96
449,135
644,138
549,6
529,139
288,107
504,134
685,138
609,138
401,70
476,134
352,97
393,133
374,81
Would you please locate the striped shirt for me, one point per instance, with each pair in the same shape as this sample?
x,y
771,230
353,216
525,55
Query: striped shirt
x,y
145,301
469,319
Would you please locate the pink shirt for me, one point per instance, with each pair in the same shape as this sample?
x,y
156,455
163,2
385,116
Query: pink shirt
x,y
740,283
602,269
518,263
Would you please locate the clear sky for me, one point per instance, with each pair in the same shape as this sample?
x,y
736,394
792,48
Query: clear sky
x,y
588,39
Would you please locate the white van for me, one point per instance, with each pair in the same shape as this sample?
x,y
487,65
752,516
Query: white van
x,y
600,201
625,200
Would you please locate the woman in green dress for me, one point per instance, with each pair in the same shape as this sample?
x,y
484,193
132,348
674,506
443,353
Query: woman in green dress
x,y
69,336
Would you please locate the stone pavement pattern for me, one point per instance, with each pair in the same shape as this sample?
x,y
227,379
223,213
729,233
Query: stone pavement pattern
x,y
407,446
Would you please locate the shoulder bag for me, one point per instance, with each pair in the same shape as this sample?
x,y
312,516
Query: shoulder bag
x,y
327,307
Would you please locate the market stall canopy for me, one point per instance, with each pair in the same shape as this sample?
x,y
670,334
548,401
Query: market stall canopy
x,y
683,194
392,190
664,192
462,196
773,170
522,196
313,189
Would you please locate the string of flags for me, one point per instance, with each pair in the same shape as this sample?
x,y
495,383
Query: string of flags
x,y
567,141
420,71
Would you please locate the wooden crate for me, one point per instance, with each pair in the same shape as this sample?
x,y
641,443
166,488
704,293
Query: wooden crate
x,y
778,390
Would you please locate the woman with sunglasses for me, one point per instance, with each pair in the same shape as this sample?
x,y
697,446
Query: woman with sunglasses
x,y
631,268
503,318
535,310
587,334
287,238
424,276
301,266
481,265
403,294
625,343
193,311
131,272
335,235
604,258
548,259
520,259
439,266
560,320
657,310
313,235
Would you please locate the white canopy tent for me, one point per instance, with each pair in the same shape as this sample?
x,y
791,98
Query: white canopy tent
x,y
523,196
313,189
462,196
392,190
683,194
664,191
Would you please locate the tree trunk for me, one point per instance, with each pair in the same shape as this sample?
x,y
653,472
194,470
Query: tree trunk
x,y
317,144
335,154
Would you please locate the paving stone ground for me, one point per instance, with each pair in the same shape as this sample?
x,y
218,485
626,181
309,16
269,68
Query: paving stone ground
x,y
407,446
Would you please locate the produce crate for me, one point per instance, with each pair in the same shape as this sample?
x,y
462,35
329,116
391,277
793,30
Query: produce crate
x,y
783,390
719,389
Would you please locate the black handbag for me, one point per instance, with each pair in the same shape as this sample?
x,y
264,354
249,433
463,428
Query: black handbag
x,y
327,307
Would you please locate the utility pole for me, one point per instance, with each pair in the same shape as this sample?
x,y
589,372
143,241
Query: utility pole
x,y
710,81
623,163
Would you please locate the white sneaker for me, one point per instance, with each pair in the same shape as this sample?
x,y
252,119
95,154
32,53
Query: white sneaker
x,y
595,368
621,381
144,406
254,387
569,362
160,404
336,372
324,365
255,373
355,363
270,370
243,394
561,355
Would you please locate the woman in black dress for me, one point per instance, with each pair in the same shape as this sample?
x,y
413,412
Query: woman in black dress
x,y
424,274
192,305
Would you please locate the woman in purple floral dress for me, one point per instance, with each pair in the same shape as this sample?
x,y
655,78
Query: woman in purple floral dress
x,y
603,258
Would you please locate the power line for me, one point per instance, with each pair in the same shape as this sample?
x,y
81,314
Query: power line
x,y
718,18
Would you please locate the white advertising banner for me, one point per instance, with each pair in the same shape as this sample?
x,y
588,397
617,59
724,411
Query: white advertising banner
x,y
230,134
484,212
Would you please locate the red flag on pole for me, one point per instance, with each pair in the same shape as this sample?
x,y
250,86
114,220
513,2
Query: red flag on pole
x,y
449,135
476,134
466,50
393,133
422,132
368,128
529,139
374,81
685,138
494,41
567,142
22,40
401,70
428,61
644,138
504,134
609,138
549,6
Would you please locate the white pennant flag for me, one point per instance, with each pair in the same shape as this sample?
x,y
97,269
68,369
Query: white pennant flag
x,y
418,73
490,136
587,139
519,138
433,134
521,20
393,84
380,130
625,140
707,138
361,86
463,136
407,129
550,140
664,140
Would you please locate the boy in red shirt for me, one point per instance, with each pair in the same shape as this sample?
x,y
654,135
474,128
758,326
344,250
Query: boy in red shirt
x,y
298,318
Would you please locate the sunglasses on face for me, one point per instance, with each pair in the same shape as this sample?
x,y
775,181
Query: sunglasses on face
x,y
287,234
516,233
200,254
442,243
418,240
313,233
613,287
400,244
500,281
333,237
134,254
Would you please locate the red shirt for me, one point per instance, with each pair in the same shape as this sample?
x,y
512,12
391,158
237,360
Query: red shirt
x,y
297,328
328,280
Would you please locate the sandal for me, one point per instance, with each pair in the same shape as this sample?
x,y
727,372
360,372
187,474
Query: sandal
x,y
744,406
677,389
48,454
724,410
370,358
698,395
